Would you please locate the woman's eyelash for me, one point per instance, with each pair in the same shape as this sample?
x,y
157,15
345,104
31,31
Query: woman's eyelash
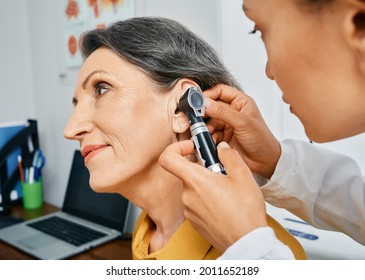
x,y
253,31
99,87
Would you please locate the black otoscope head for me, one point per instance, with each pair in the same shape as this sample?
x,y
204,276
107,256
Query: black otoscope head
x,y
192,103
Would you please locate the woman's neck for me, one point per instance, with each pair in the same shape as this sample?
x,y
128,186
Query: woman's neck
x,y
158,194
167,213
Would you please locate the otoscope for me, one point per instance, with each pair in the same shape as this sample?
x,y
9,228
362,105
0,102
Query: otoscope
x,y
192,103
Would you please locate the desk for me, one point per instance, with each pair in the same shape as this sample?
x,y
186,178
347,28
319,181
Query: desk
x,y
114,250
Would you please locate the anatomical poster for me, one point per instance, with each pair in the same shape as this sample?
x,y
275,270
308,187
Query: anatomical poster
x,y
79,16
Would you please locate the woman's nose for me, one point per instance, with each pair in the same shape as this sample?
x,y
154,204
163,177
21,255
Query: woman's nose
x,y
79,124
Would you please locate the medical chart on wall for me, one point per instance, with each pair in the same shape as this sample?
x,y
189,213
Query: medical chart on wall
x,y
79,16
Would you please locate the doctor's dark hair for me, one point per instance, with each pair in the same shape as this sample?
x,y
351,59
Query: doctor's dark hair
x,y
163,49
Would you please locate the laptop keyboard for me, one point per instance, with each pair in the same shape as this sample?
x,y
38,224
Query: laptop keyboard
x,y
65,230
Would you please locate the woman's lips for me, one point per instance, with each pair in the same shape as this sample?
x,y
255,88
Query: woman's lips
x,y
88,152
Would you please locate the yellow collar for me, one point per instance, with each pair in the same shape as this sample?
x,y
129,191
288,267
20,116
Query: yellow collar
x,y
185,244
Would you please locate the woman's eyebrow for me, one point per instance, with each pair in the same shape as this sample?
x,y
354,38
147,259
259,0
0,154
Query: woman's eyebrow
x,y
89,76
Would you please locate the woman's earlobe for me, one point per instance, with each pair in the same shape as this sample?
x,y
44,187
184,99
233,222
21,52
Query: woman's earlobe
x,y
180,122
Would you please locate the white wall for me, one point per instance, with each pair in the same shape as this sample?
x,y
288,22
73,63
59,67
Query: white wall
x,y
201,16
17,99
52,99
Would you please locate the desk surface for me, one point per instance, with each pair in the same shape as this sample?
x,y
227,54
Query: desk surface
x,y
113,250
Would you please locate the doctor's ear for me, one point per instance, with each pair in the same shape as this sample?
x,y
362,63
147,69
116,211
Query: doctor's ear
x,y
359,36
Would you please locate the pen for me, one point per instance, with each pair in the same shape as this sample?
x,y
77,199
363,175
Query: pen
x,y
35,157
38,166
20,165
31,175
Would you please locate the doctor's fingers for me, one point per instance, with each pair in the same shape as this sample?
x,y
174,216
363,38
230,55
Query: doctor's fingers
x,y
220,206
201,180
234,165
226,114
196,176
173,160
219,131
215,126
227,94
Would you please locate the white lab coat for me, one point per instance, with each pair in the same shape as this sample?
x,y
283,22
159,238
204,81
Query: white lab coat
x,y
324,188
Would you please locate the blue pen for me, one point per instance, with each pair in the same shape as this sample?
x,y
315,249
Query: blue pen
x,y
36,173
26,179
35,157
38,166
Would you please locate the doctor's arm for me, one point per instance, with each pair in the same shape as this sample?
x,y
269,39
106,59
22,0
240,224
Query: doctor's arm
x,y
324,188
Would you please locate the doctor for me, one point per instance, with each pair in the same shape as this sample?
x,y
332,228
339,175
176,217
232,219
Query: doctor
x,y
316,54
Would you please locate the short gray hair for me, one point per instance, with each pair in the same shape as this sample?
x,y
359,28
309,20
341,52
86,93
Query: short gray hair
x,y
163,48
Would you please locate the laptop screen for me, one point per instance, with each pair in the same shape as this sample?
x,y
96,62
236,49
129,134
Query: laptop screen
x,y
104,208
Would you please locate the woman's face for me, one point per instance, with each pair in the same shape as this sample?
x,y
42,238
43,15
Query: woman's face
x,y
311,61
121,121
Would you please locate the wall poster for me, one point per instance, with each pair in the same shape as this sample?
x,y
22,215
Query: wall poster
x,y
79,16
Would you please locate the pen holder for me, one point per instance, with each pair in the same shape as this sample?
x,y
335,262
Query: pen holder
x,y
32,195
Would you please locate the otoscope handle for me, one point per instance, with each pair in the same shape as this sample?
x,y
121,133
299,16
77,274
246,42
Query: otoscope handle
x,y
192,103
205,147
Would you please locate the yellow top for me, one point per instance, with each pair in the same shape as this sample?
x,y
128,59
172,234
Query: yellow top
x,y
187,244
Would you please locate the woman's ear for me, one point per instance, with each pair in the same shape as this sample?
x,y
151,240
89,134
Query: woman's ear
x,y
180,120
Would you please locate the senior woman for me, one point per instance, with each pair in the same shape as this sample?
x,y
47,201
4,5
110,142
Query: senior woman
x,y
125,101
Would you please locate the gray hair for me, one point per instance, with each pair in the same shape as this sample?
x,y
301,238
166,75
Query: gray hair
x,y
163,48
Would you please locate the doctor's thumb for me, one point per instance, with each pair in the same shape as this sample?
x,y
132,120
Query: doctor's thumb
x,y
173,158
231,160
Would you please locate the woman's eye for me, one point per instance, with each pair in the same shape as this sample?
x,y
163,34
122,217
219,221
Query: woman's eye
x,y
101,88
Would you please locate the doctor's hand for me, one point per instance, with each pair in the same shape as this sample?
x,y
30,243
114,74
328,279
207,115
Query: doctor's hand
x,y
222,208
236,120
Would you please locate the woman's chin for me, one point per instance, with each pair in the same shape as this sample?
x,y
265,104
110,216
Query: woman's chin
x,y
100,187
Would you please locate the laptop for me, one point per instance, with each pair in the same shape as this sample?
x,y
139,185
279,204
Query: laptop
x,y
87,219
